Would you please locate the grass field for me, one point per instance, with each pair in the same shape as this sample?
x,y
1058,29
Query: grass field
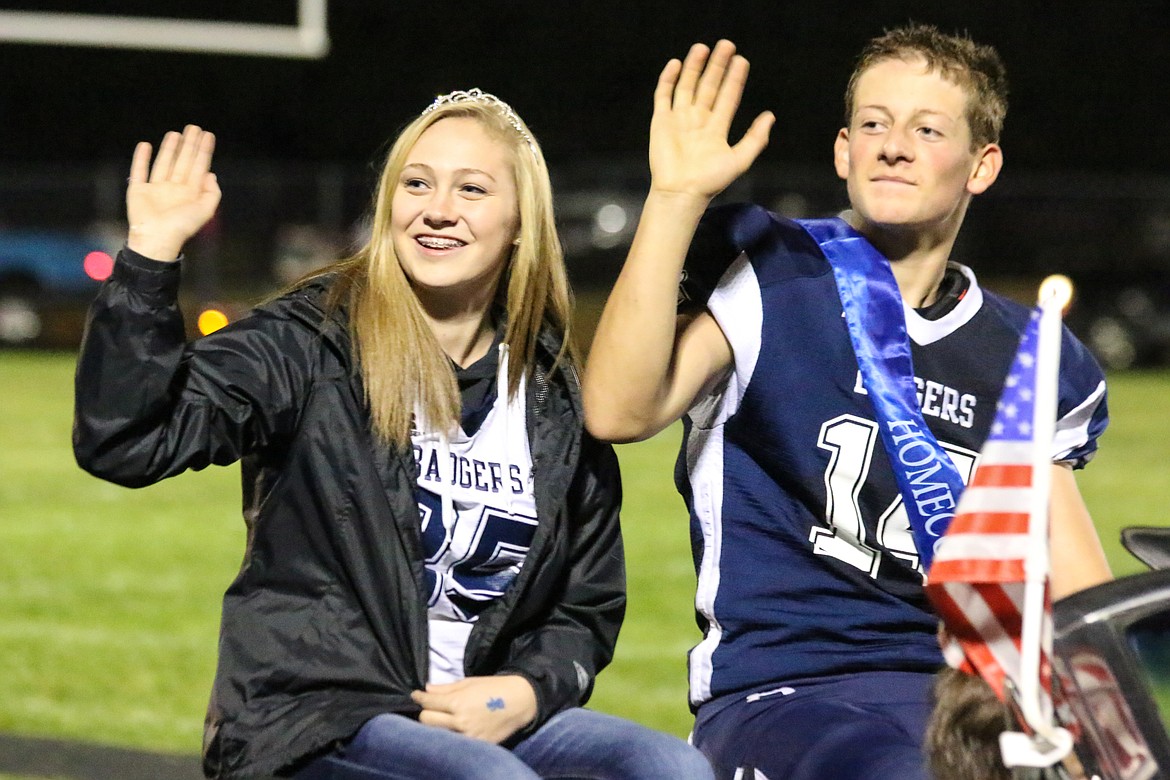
x,y
109,597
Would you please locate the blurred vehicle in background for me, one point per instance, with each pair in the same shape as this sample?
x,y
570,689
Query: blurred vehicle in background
x,y
49,277
280,220
1109,234
598,203
596,227
1124,318
300,249
45,280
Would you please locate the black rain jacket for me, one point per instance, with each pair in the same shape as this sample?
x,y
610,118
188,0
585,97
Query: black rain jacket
x,y
326,624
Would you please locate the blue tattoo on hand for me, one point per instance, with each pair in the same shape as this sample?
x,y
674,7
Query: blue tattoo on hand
x,y
495,704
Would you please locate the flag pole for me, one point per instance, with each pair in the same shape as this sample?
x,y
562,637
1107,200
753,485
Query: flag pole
x,y
1055,294
989,581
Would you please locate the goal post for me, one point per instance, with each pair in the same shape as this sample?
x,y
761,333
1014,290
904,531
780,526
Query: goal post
x,y
308,39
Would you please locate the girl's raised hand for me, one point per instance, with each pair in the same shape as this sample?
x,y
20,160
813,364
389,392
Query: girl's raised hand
x,y
169,201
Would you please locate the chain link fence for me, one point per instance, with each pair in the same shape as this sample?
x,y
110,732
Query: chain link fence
x,y
280,220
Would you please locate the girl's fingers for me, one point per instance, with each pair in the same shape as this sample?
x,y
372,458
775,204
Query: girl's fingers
x,y
433,702
188,149
440,719
164,161
140,163
202,161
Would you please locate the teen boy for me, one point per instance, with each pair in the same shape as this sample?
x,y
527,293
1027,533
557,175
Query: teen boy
x,y
822,369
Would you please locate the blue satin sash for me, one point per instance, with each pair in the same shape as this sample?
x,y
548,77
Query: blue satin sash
x,y
927,478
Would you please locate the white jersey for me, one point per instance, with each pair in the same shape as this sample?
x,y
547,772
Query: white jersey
x,y
478,512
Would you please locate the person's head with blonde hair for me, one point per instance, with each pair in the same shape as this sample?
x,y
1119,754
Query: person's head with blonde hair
x,y
401,362
976,68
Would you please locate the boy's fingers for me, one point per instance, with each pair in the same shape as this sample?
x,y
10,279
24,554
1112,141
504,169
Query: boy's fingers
x,y
665,89
692,69
712,78
731,90
754,140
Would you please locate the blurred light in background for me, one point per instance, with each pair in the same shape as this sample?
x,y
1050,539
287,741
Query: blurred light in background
x,y
98,265
210,320
19,320
613,225
611,218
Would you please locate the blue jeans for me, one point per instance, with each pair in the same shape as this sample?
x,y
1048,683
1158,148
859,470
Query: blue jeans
x,y
576,744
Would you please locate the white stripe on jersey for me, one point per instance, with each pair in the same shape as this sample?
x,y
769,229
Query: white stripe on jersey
x,y
1072,430
737,306
705,472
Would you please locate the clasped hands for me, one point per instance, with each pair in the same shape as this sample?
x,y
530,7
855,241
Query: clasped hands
x,y
489,708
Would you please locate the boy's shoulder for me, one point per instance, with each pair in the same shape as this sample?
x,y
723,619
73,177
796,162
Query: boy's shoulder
x,y
776,247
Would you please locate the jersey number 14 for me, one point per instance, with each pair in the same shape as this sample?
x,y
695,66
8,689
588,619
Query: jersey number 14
x,y
850,441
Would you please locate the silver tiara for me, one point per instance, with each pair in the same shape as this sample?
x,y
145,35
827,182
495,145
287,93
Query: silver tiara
x,y
477,95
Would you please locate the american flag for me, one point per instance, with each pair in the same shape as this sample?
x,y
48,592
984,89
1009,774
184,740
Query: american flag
x,y
979,578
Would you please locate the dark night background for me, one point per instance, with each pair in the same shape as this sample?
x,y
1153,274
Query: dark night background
x,y
1089,79
1085,189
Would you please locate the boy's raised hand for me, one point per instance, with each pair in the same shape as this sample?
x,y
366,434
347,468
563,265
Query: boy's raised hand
x,y
694,104
169,201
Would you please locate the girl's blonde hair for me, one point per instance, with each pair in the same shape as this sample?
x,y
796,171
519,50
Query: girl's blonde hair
x,y
400,359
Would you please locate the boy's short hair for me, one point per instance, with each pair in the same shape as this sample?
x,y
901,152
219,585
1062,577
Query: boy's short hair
x,y
976,68
962,735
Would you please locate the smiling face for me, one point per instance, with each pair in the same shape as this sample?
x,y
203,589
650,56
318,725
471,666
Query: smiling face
x,y
454,212
907,155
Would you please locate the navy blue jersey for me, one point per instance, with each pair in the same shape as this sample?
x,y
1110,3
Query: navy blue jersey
x,y
806,565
